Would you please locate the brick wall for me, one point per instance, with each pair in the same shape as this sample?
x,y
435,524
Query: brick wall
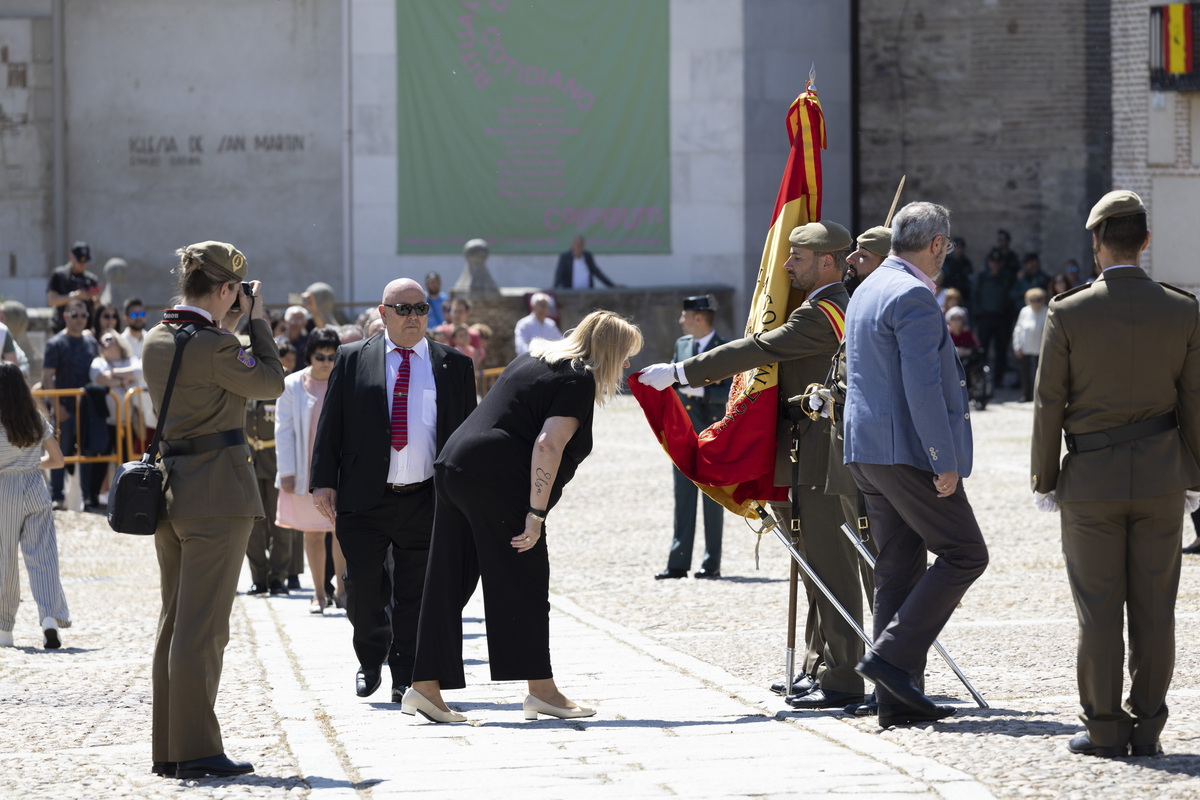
x,y
998,110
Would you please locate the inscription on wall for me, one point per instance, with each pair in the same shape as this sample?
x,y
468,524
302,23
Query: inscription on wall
x,y
153,150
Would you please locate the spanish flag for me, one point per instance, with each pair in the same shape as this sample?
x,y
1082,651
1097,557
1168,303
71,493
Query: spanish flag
x,y
1177,38
734,460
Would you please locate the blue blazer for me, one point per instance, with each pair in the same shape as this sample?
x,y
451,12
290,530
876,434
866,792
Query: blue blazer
x,y
906,401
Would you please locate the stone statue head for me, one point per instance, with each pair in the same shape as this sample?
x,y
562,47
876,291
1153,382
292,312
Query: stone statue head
x,y
476,251
16,318
324,297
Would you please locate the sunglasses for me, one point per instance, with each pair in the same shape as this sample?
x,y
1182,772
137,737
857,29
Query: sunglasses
x,y
137,314
404,309
108,316
322,358
107,341
76,315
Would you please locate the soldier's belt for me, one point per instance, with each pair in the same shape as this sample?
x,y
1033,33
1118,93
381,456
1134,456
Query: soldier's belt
x,y
260,444
1089,442
204,444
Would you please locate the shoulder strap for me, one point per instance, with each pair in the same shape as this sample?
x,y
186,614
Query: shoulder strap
x,y
186,331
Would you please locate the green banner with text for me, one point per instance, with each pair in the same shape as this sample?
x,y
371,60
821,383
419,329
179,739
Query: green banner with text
x,y
526,122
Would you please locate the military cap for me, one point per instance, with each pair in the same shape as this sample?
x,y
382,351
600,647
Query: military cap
x,y
877,240
224,257
1121,203
700,302
821,237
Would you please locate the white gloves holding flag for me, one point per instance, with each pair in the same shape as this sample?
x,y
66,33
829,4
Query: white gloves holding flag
x,y
1044,501
1191,501
658,376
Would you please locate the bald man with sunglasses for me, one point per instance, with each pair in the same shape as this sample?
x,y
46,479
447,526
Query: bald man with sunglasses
x,y
393,401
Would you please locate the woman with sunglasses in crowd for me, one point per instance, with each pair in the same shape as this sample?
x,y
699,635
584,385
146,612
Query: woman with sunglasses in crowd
x,y
296,415
106,317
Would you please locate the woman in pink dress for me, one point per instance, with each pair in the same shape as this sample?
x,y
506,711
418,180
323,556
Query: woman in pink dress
x,y
296,415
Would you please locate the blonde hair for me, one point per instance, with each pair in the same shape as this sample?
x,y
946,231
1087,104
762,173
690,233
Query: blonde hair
x,y
600,344
1035,293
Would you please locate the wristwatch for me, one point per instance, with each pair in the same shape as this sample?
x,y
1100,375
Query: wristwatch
x,y
537,513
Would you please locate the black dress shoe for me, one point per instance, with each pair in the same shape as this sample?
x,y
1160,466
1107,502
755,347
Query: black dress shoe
x,y
1145,750
293,582
895,680
220,766
164,769
258,588
1084,746
367,681
398,690
824,698
670,572
899,714
802,685
707,573
1194,547
277,587
867,708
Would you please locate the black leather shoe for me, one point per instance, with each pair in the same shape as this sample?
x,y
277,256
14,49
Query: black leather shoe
x,y
824,698
671,573
398,690
707,573
802,685
899,714
867,708
1194,547
367,681
895,680
219,766
258,588
1145,750
293,582
164,769
277,587
1084,746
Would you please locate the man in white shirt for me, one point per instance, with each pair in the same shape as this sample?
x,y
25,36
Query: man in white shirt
x,y
391,404
577,268
536,325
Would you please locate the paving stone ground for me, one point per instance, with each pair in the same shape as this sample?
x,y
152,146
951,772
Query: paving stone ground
x,y
677,670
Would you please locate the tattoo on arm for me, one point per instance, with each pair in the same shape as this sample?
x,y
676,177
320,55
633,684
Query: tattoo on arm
x,y
542,480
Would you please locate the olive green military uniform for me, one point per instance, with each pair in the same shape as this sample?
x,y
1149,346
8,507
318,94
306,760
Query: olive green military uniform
x,y
1121,350
270,549
803,346
210,503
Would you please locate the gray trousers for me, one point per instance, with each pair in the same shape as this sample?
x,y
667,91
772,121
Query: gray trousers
x,y
909,520
1123,556
270,548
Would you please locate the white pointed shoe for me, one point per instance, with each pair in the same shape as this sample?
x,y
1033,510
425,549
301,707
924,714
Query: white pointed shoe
x,y
415,702
533,706
6,639
50,640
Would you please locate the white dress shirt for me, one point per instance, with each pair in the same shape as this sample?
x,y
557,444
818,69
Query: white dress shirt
x,y
579,274
414,463
529,328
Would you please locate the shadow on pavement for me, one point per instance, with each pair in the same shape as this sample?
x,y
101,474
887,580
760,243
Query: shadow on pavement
x,y
594,722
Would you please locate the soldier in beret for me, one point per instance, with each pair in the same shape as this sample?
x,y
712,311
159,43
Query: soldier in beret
x,y
1131,416
211,496
803,347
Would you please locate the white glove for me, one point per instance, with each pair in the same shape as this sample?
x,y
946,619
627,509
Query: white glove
x,y
1045,502
1191,501
819,401
658,376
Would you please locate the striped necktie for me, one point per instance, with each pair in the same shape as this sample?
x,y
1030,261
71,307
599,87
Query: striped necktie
x,y
400,401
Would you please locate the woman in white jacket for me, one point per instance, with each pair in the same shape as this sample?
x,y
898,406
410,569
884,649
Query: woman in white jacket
x,y
1027,339
296,415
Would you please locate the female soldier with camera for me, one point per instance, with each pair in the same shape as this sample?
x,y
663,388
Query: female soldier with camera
x,y
210,495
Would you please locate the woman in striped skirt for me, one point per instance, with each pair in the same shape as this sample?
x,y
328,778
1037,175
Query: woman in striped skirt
x,y
27,446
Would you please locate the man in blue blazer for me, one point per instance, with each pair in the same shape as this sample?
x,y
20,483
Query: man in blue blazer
x,y
908,444
705,406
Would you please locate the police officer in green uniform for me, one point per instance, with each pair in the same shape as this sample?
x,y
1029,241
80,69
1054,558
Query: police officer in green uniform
x,y
210,497
803,347
270,549
1119,374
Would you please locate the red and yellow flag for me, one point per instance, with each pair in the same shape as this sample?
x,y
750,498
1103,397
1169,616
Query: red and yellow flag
x,y
733,461
1177,38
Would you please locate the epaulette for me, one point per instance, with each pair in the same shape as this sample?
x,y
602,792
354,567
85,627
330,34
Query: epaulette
x,y
1183,292
1070,292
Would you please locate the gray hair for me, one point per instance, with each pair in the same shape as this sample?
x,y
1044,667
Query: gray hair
x,y
916,225
295,311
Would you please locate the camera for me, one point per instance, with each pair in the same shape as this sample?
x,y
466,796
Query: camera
x,y
247,290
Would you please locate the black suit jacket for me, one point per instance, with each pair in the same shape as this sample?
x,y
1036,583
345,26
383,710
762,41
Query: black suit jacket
x,y
566,264
352,450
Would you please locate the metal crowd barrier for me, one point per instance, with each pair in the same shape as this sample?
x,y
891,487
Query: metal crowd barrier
x,y
484,379
56,397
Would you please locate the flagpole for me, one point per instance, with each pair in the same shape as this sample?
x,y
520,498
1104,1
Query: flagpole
x,y
895,201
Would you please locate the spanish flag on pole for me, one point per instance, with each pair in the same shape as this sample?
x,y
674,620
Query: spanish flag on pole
x,y
734,460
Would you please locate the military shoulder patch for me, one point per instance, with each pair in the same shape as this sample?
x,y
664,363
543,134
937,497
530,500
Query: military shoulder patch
x,y
245,358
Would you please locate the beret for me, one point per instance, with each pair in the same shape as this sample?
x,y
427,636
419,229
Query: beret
x,y
877,240
1121,203
225,257
821,237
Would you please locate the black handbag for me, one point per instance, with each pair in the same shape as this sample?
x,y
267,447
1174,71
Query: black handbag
x,y
137,488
